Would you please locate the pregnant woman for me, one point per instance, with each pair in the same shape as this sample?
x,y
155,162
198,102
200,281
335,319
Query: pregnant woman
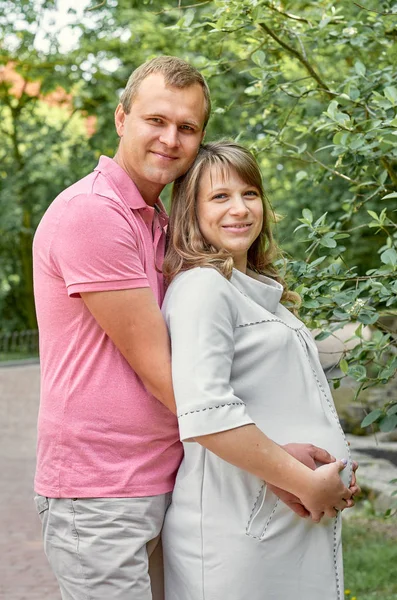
x,y
247,380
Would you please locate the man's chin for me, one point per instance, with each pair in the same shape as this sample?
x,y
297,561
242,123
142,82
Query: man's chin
x,y
164,177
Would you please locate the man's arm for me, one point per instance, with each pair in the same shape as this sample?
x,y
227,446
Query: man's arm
x,y
133,321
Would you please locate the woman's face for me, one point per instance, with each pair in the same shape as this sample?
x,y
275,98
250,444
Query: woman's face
x,y
230,213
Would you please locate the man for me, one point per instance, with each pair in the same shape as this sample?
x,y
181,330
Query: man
x,y
108,451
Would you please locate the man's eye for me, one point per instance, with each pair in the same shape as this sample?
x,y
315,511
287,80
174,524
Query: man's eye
x,y
155,120
187,128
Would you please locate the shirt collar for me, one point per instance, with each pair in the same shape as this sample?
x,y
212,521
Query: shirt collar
x,y
125,187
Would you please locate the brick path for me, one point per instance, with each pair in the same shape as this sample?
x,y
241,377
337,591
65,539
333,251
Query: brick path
x,y
24,571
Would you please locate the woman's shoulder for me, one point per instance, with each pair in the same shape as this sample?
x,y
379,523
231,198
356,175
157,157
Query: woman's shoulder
x,y
200,285
199,276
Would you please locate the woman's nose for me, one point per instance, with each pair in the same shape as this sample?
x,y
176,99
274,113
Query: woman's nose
x,y
238,206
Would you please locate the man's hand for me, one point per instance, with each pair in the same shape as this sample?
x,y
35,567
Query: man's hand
x,y
354,487
309,455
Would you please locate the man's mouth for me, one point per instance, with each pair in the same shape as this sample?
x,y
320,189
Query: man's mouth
x,y
164,156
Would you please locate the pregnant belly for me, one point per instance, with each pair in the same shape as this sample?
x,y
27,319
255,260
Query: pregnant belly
x,y
325,433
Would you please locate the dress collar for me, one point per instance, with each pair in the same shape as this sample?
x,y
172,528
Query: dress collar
x,y
261,289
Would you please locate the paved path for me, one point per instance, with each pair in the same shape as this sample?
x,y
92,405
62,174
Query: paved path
x,y
24,571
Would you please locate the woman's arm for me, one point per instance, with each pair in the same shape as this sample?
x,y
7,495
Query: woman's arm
x,y
321,491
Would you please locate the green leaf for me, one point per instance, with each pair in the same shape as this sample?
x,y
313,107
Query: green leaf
x,y
343,365
311,303
189,16
332,109
318,261
323,335
392,195
358,372
389,257
372,417
328,242
301,175
368,317
259,58
392,410
388,423
308,215
360,68
373,214
391,94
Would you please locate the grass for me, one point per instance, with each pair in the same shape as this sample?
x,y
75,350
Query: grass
x,y
7,356
370,558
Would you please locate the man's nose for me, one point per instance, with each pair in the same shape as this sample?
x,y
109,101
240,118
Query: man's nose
x,y
170,136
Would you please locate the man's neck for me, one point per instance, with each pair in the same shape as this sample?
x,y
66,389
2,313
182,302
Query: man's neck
x,y
150,192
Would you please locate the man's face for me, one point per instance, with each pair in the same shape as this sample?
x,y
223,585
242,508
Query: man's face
x,y
160,136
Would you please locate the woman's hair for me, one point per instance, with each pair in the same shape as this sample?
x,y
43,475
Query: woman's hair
x,y
187,247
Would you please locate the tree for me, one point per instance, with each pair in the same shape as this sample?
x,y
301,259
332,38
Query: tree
x,y
310,87
325,133
44,149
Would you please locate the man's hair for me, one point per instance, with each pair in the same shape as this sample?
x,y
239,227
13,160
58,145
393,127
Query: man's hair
x,y
176,72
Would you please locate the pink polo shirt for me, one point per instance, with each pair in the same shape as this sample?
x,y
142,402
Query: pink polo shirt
x,y
100,433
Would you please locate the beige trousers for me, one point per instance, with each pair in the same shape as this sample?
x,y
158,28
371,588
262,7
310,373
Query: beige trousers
x,y
105,548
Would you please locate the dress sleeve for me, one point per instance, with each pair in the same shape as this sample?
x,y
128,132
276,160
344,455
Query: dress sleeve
x,y
201,314
95,248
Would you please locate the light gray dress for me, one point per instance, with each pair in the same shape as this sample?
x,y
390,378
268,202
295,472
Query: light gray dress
x,y
239,357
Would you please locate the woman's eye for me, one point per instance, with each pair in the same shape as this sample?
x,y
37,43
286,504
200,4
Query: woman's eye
x,y
219,197
252,193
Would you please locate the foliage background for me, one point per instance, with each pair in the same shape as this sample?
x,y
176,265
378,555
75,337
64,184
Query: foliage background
x,y
309,86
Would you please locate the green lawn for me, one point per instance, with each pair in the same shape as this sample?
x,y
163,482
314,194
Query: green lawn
x,y
370,558
7,356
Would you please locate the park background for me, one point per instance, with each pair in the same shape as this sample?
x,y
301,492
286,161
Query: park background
x,y
311,88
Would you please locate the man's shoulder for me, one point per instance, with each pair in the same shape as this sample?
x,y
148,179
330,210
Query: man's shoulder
x,y
94,184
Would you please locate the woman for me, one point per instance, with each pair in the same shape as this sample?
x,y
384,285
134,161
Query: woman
x,y
246,378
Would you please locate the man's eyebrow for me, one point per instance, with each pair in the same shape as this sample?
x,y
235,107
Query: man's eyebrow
x,y
192,123
183,122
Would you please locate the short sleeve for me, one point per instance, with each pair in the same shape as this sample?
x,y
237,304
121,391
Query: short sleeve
x,y
200,314
95,247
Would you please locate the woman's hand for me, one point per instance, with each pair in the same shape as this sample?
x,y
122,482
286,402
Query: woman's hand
x,y
310,455
326,493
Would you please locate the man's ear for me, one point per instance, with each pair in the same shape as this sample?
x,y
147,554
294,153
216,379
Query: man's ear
x,y
203,135
119,118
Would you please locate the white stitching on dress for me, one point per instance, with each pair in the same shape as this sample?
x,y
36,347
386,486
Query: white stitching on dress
x,y
211,407
270,321
254,507
270,517
338,590
334,413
